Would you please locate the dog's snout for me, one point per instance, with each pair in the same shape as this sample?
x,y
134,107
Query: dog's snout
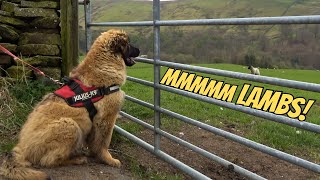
x,y
134,52
138,52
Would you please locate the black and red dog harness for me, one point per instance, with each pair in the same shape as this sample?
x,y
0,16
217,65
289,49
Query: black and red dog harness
x,y
78,95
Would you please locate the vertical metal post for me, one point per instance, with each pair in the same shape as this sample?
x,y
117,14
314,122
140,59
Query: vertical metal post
x,y
156,57
87,15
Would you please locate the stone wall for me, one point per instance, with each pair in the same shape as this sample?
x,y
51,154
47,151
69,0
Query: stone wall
x,y
30,29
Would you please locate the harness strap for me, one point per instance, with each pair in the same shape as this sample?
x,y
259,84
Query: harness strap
x,y
88,104
100,92
75,87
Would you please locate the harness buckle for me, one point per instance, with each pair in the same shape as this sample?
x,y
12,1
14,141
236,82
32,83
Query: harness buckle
x,y
70,82
66,80
110,89
114,88
102,91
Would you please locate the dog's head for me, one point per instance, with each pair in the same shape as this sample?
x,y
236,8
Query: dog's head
x,y
249,67
118,42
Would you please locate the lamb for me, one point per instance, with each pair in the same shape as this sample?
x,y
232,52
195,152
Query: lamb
x,y
254,70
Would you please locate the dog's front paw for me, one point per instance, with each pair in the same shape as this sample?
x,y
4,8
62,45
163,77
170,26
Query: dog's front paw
x,y
108,159
114,162
82,160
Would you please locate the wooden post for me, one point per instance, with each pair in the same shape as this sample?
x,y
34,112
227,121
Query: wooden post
x,y
69,35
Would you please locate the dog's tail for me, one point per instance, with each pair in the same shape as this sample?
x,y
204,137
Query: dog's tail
x,y
12,169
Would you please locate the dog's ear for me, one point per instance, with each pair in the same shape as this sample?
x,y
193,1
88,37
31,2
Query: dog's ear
x,y
118,41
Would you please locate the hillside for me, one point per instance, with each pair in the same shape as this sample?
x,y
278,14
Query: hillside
x,y
283,46
120,10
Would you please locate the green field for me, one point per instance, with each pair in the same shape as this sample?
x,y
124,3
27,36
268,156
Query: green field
x,y
18,100
279,46
279,136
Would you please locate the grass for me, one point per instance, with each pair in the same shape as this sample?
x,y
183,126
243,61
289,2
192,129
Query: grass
x,y
142,172
7,146
16,102
279,136
18,99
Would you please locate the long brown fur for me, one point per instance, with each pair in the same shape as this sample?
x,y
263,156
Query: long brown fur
x,y
54,132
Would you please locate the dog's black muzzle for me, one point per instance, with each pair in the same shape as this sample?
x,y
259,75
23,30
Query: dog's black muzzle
x,y
131,52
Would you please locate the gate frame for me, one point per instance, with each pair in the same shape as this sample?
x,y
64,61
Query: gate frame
x,y
156,23
69,35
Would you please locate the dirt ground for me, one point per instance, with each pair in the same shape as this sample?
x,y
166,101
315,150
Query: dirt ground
x,y
91,171
255,161
262,164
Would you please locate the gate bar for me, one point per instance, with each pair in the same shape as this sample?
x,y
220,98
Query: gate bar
x,y
196,149
156,23
266,115
156,70
238,75
183,167
251,144
311,19
136,23
88,33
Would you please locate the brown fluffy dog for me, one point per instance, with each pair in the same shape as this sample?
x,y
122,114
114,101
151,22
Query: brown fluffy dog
x,y
54,132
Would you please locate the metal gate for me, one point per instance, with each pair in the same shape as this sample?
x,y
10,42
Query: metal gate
x,y
157,63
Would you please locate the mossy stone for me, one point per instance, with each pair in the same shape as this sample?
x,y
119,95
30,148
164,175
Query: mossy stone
x,y
12,21
8,6
5,13
19,72
35,12
44,61
11,47
45,22
41,4
54,73
39,38
8,32
42,0
39,49
5,60
15,1
46,31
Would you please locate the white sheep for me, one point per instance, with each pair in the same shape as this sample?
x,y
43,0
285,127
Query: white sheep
x,y
254,70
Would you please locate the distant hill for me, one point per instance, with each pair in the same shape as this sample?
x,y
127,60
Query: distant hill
x,y
139,10
120,10
258,41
